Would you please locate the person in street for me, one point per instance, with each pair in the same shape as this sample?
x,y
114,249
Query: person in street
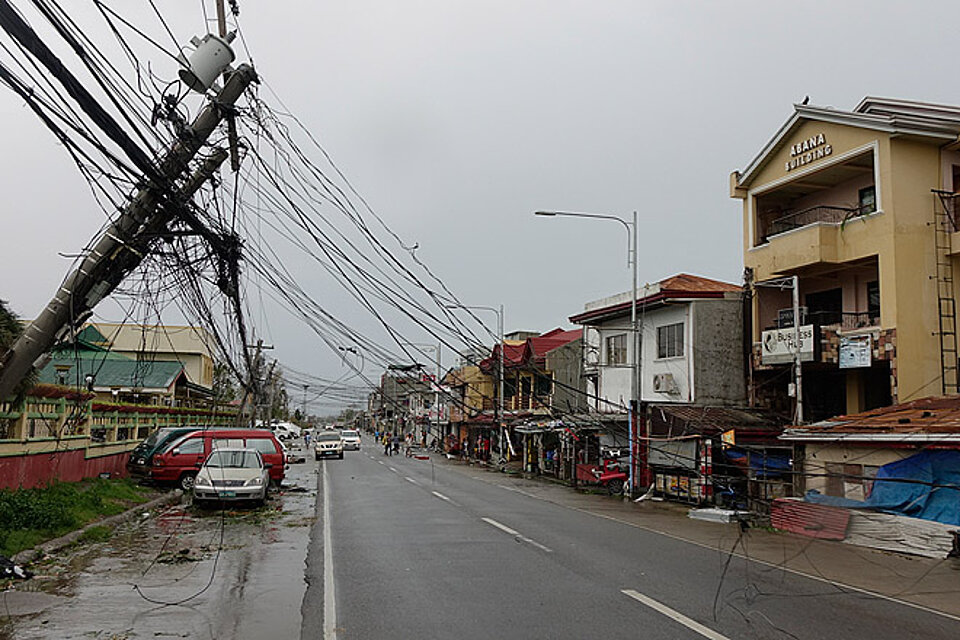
x,y
395,440
386,444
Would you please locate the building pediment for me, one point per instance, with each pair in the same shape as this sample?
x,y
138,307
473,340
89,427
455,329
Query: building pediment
x,y
814,133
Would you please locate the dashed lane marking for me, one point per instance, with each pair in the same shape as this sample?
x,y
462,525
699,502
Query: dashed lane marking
x,y
689,623
517,534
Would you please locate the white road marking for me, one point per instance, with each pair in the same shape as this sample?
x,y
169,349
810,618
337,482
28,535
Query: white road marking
x,y
773,565
379,461
500,526
329,595
393,469
409,479
517,534
440,495
689,623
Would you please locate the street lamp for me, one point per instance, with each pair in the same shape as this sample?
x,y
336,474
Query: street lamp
x,y
499,312
635,399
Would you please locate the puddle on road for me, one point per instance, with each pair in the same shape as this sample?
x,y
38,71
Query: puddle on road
x,y
100,590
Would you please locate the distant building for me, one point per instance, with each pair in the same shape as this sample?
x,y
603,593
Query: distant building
x,y
116,372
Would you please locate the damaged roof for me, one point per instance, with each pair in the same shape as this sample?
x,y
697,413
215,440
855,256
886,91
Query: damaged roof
x,y
925,420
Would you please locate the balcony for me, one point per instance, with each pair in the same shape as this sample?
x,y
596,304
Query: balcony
x,y
843,320
813,215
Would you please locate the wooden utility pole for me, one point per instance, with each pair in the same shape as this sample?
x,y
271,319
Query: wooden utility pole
x,y
119,249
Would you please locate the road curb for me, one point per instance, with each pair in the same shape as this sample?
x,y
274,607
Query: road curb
x,y
50,546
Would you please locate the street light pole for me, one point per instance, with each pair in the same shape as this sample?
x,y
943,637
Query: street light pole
x,y
636,401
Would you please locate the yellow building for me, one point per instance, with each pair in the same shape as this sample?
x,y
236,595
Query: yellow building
x,y
859,206
193,347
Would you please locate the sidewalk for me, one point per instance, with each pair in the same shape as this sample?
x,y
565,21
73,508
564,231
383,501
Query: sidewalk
x,y
922,582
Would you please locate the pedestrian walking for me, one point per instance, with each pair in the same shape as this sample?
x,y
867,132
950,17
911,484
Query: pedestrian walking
x,y
386,444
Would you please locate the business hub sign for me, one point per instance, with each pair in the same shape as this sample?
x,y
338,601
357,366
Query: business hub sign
x,y
778,346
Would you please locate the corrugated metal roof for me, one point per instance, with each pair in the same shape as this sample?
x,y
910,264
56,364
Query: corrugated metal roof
x,y
808,519
532,351
927,416
114,373
678,420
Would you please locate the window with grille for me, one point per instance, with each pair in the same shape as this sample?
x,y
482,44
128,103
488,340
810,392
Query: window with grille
x,y
617,349
670,340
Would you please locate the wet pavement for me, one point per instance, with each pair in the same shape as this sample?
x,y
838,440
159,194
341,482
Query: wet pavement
x,y
182,572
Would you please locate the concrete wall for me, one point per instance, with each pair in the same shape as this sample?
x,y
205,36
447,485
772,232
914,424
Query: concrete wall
x,y
819,455
566,365
718,359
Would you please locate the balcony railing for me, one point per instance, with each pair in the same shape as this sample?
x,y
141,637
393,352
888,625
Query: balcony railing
x,y
822,213
844,319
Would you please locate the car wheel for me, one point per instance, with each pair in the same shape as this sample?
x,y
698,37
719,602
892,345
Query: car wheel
x,y
317,458
187,480
615,486
340,456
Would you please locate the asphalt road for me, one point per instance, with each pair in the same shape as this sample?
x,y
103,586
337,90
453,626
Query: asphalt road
x,y
403,548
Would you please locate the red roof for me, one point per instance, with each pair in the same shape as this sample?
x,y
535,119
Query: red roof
x,y
533,351
541,345
682,285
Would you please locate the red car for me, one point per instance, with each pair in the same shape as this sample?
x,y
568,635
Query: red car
x,y
180,461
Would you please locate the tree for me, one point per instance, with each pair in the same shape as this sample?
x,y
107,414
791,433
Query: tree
x,y
10,329
224,385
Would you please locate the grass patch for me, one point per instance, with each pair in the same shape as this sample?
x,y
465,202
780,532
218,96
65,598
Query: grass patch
x,y
30,516
97,533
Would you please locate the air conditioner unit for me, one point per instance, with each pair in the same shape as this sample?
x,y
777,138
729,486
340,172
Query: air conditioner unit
x,y
663,383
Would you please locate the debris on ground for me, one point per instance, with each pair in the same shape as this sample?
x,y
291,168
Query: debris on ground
x,y
10,569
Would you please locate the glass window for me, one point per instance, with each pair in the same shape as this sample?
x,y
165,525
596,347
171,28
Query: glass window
x,y
670,340
263,445
617,349
873,299
191,445
228,443
228,459
868,200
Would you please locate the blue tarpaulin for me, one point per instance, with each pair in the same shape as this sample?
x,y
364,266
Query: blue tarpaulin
x,y
925,485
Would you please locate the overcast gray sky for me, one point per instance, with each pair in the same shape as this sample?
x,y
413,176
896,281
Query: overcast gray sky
x,y
456,120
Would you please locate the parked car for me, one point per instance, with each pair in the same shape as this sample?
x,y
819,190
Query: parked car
x,y
181,461
232,474
328,443
285,430
351,439
141,458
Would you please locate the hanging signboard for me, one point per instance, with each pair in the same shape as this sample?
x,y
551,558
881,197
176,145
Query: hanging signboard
x,y
855,351
678,454
777,345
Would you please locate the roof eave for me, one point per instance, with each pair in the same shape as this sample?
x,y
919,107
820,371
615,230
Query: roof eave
x,y
800,436
902,125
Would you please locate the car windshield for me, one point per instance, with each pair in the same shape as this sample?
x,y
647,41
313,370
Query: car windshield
x,y
328,436
234,460
349,434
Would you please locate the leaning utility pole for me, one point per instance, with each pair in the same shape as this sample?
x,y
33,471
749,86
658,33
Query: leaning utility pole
x,y
122,246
